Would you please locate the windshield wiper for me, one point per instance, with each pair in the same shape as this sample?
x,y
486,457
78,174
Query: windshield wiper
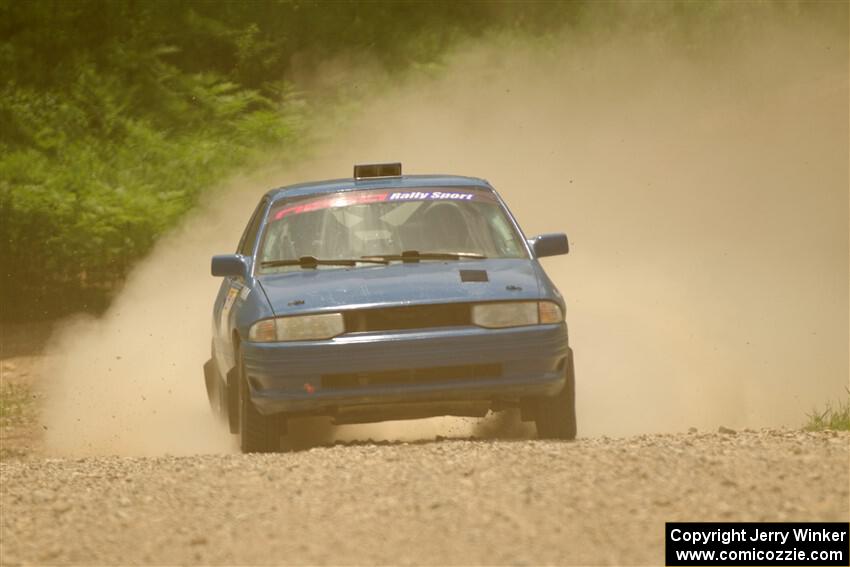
x,y
416,255
312,262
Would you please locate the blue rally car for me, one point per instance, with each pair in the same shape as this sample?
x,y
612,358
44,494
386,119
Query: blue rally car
x,y
385,297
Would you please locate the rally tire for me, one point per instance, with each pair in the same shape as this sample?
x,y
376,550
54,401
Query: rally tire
x,y
258,433
556,416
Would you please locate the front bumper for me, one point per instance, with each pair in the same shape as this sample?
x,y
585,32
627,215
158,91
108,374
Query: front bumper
x,y
439,365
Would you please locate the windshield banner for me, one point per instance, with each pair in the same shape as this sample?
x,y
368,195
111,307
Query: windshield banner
x,y
365,197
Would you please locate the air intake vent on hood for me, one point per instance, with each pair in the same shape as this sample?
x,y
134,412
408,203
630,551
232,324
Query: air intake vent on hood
x,y
474,276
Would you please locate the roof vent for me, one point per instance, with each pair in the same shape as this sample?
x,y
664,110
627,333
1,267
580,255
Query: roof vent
x,y
370,170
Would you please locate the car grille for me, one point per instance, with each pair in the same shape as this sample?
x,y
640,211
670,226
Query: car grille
x,y
432,375
408,317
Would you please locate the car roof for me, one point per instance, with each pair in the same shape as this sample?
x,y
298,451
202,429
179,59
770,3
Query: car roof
x,y
401,182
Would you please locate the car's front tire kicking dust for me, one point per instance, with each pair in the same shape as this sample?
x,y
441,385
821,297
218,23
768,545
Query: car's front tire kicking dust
x,y
556,416
258,433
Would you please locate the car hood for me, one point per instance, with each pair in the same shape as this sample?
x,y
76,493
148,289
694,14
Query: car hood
x,y
309,290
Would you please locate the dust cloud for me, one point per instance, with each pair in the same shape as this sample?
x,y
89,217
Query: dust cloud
x,y
704,190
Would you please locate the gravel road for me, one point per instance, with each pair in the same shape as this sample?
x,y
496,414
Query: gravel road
x,y
593,501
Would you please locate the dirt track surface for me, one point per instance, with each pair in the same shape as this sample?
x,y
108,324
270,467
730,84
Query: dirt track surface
x,y
594,501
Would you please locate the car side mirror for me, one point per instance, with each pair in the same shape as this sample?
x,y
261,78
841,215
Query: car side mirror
x,y
229,265
553,244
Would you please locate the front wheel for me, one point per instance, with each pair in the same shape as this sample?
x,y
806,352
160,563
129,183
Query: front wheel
x,y
556,416
258,433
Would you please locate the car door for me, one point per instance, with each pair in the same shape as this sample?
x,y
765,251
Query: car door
x,y
226,303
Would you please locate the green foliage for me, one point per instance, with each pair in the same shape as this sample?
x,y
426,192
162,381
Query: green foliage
x,y
86,187
17,415
14,401
835,417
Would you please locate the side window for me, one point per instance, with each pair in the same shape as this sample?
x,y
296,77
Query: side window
x,y
246,245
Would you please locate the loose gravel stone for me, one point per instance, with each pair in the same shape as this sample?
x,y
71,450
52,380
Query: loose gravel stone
x,y
449,502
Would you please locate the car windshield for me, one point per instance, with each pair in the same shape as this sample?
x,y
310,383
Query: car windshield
x,y
352,225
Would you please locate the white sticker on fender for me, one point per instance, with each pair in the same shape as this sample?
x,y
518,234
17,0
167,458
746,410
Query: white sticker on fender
x,y
225,310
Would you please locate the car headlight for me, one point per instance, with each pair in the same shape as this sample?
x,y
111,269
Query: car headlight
x,y
298,328
516,314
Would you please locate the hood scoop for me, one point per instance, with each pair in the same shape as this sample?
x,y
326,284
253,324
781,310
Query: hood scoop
x,y
474,276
